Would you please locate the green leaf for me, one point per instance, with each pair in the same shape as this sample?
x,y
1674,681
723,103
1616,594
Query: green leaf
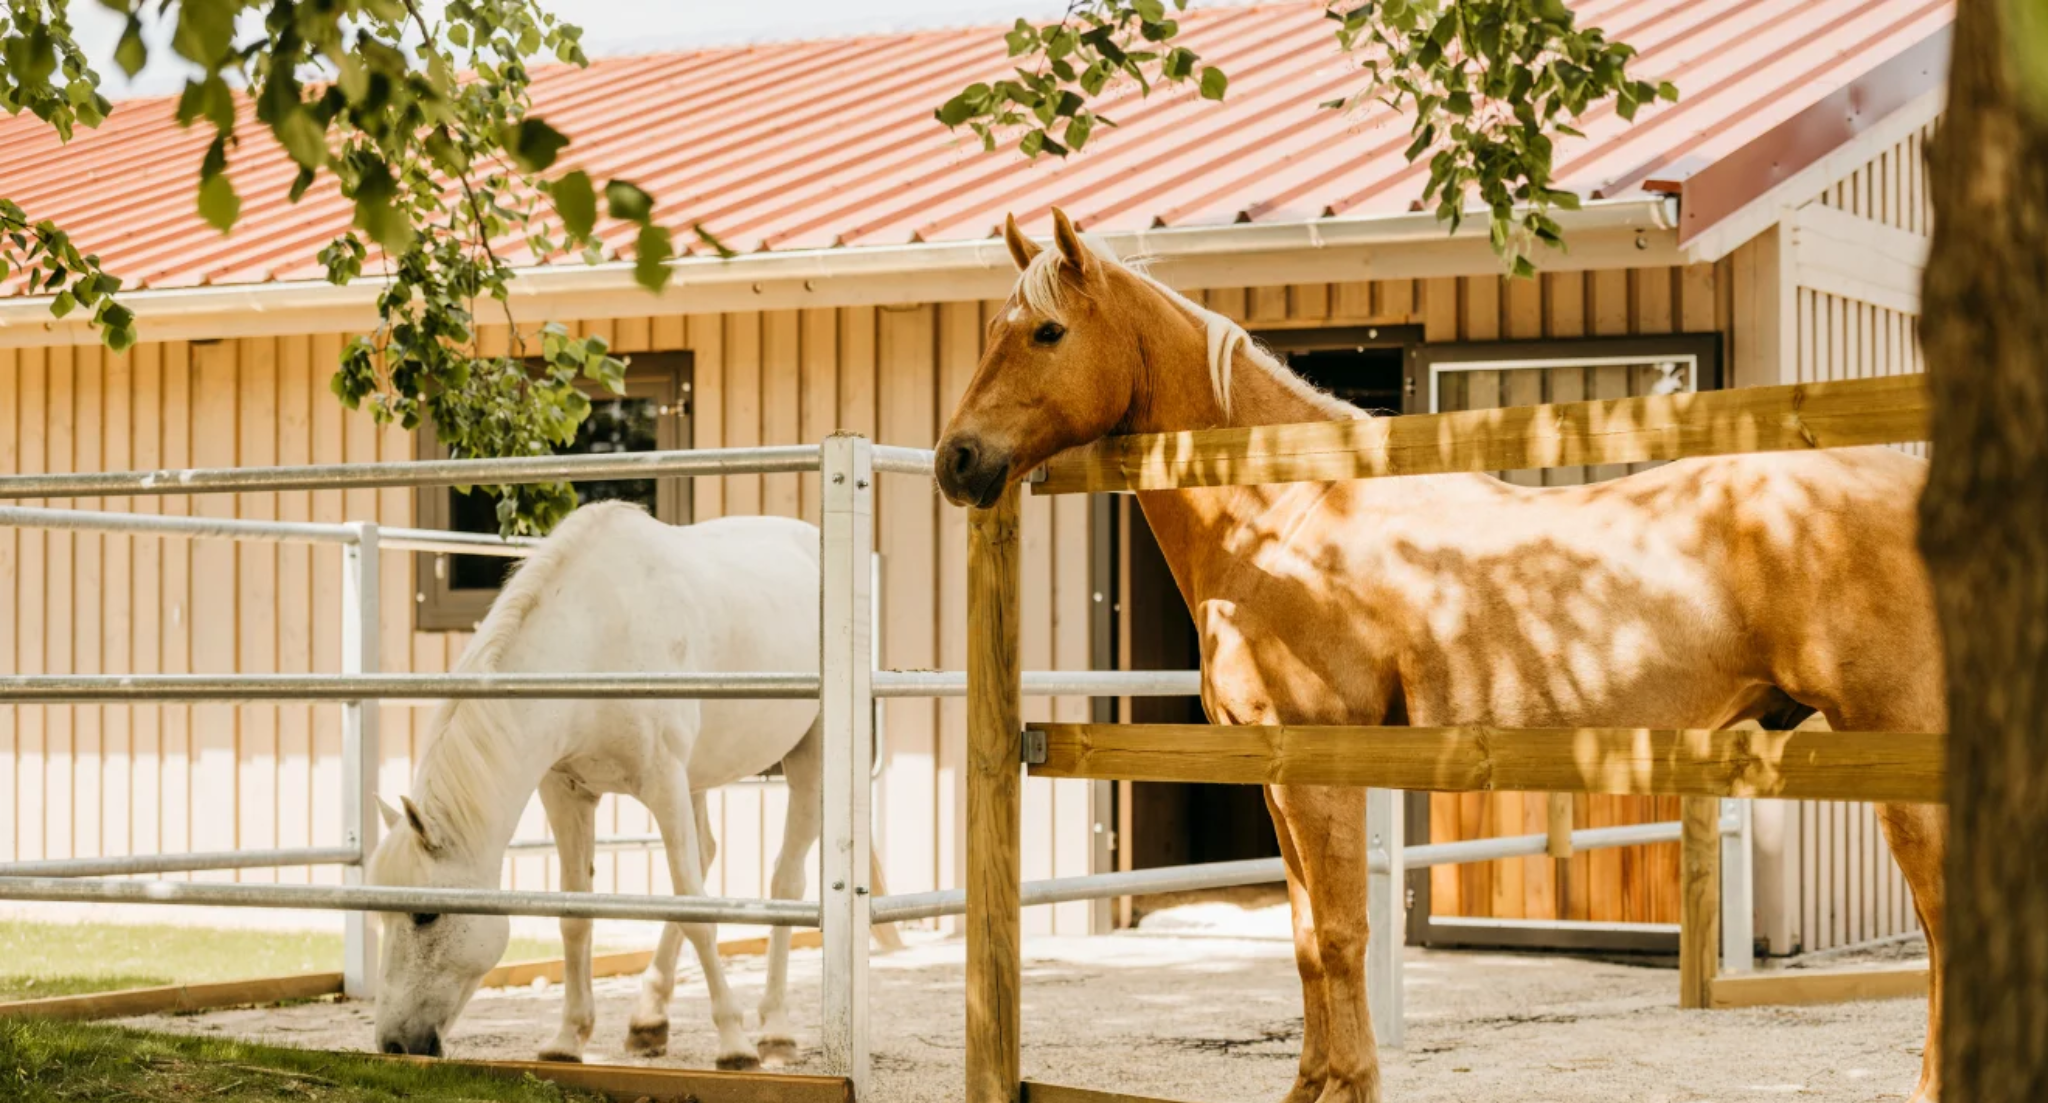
x,y
1214,83
1078,131
725,252
132,53
627,201
576,202
218,203
532,144
964,106
63,304
302,137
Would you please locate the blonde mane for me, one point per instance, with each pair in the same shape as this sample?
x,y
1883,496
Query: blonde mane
x,y
452,785
1042,289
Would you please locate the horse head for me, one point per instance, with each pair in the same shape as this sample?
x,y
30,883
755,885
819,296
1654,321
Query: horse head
x,y
1061,367
432,963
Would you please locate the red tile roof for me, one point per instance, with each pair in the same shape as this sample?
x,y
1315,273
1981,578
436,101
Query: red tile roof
x,y
832,143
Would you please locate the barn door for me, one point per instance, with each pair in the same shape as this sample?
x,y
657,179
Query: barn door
x,y
1602,899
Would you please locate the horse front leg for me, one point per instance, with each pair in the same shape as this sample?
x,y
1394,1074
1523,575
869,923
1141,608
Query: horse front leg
x,y
572,815
1328,828
1308,961
667,796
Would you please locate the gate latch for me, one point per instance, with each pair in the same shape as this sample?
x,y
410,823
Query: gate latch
x,y
1034,747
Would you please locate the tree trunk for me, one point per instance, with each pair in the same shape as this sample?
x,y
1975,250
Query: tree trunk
x,y
1984,529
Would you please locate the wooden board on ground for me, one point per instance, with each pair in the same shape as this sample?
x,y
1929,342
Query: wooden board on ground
x,y
177,997
1035,1092
241,993
627,1084
1796,417
1797,765
1798,987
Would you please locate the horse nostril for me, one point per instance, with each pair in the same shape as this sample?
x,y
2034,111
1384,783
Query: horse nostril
x,y
964,456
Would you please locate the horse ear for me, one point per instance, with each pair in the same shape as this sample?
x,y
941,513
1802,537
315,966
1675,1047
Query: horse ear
x,y
1022,249
418,822
1072,249
389,813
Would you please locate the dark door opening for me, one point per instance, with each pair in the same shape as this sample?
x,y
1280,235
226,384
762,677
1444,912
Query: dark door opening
x,y
1167,824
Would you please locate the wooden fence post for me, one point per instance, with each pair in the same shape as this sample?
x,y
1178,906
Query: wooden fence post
x,y
995,781
1557,824
1699,900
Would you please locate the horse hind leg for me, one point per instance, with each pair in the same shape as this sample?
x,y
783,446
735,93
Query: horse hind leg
x,y
667,796
572,814
1918,837
803,769
1327,826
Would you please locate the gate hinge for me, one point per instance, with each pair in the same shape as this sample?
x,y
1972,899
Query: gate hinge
x,y
1034,747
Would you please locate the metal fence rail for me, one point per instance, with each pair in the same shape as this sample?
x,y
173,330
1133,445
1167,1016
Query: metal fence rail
x,y
564,905
770,460
131,864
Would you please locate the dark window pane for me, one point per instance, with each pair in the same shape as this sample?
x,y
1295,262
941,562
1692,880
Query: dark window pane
x,y
615,424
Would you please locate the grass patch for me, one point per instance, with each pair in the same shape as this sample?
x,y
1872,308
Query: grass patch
x,y
63,959
52,1062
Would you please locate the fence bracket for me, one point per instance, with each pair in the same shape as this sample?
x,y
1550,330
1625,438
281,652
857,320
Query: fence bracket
x,y
1033,745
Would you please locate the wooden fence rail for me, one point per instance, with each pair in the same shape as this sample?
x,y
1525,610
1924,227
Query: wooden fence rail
x,y
1795,765
1793,418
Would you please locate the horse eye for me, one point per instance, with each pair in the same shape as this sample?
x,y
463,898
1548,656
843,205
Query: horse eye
x,y
424,919
1048,333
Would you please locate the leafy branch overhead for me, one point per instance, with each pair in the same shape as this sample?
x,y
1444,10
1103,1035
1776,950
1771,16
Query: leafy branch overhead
x,y
1061,65
1484,84
424,125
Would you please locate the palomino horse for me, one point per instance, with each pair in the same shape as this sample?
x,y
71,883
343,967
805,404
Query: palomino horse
x,y
1698,594
612,590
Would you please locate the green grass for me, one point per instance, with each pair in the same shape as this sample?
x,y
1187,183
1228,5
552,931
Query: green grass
x,y
63,959
52,1062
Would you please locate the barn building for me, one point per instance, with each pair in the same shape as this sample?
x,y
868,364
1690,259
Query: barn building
x,y
1767,228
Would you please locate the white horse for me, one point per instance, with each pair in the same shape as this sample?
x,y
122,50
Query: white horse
x,y
612,590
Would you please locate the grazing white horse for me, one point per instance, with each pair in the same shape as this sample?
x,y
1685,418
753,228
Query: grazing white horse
x,y
612,590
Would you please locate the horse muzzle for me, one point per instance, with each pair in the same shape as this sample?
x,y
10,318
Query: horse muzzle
x,y
426,1043
970,472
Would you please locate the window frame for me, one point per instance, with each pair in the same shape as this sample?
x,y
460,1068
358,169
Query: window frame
x,y
665,377
1702,349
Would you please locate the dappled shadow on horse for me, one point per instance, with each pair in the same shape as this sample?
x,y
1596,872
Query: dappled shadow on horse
x,y
612,591
1700,594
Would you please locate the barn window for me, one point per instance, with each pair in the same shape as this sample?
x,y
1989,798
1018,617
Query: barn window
x,y
1490,375
455,591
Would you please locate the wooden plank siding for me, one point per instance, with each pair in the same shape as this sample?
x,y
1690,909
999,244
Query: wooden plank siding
x,y
1830,879
168,778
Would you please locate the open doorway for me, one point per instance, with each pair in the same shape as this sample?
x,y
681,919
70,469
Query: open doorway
x,y
1148,628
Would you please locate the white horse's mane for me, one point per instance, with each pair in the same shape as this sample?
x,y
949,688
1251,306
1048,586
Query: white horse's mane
x,y
1042,289
466,756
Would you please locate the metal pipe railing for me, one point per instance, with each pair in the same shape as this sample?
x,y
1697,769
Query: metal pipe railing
x,y
354,898
82,520
131,864
895,460
1047,683
1260,871
457,543
87,688
768,460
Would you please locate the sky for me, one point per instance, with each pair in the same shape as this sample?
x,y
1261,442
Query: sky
x,y
624,27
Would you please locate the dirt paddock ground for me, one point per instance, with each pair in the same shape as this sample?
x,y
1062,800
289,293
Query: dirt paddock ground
x,y
1218,1018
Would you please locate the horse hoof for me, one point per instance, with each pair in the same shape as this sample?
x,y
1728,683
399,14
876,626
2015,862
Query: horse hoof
x,y
777,1052
738,1062
647,1039
560,1056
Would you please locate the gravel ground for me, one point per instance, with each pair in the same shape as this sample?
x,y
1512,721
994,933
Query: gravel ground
x,y
1218,1017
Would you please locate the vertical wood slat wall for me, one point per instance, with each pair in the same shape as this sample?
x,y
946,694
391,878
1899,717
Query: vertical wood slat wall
x,y
1636,884
1843,887
85,780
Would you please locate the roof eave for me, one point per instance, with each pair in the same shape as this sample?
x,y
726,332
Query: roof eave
x,y
1603,234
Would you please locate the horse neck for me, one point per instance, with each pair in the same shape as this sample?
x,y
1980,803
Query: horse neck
x,y
1194,527
474,781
